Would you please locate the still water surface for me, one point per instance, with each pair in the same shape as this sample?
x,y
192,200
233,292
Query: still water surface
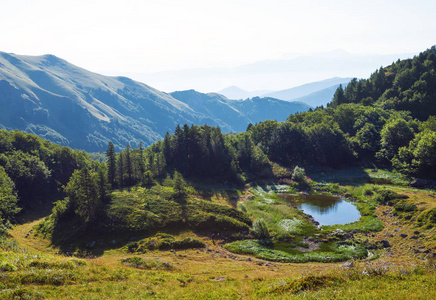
x,y
326,210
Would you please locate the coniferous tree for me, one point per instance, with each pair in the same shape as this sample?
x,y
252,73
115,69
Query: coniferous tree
x,y
120,170
103,185
82,190
129,169
339,97
111,164
141,159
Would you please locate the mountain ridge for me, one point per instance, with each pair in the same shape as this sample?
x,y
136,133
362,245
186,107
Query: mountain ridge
x,y
308,88
69,105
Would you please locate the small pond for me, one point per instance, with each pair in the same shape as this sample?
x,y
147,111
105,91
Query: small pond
x,y
326,210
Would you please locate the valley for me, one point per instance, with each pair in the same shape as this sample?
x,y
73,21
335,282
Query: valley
x,y
215,272
198,212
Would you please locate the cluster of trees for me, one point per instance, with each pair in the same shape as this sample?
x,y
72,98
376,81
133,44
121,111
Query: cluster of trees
x,y
351,133
33,171
8,201
408,85
388,119
304,142
194,151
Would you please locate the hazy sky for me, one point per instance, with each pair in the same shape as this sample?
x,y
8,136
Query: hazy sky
x,y
127,36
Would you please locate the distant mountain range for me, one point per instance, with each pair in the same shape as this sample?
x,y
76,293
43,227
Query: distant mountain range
x,y
307,89
54,99
320,98
236,93
313,94
274,74
239,113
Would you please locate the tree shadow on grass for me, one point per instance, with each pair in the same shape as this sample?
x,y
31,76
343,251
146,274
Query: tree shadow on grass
x,y
354,176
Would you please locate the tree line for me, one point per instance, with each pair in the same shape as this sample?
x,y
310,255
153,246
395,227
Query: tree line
x,y
387,120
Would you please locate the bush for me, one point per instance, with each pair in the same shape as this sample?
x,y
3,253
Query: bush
x,y
299,174
260,230
405,206
186,243
148,264
132,246
388,197
7,267
147,178
367,191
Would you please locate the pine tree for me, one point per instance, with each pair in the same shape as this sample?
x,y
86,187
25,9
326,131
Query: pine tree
x,y
339,97
141,159
111,164
129,168
120,170
82,190
103,189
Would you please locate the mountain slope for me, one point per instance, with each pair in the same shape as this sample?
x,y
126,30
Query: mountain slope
x,y
306,89
216,106
236,93
56,100
260,109
239,113
71,106
321,97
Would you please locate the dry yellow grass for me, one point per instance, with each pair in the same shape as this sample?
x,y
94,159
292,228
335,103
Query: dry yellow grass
x,y
214,273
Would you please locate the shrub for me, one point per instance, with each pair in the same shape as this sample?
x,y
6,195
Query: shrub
x,y
405,206
260,230
311,282
132,246
7,267
148,264
242,207
186,243
299,174
147,178
367,191
388,197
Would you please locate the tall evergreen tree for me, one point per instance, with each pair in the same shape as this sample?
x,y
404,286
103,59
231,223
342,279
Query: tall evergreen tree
x,y
339,97
111,164
120,170
141,159
103,189
129,168
82,190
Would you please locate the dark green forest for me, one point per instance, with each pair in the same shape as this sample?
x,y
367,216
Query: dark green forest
x,y
388,120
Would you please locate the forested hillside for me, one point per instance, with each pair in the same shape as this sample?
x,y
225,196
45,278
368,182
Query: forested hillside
x,y
363,125
34,171
408,84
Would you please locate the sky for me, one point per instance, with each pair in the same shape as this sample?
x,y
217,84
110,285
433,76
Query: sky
x,y
153,36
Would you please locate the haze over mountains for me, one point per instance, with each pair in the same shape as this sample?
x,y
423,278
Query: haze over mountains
x,y
275,74
236,93
314,93
54,99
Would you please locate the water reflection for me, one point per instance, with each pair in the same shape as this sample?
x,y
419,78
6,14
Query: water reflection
x,y
326,210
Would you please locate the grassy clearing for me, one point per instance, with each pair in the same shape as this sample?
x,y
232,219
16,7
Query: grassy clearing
x,y
209,276
355,176
289,227
379,176
163,241
329,252
282,220
396,272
